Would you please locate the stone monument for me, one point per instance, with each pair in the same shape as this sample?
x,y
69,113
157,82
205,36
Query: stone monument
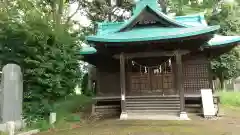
x,y
11,95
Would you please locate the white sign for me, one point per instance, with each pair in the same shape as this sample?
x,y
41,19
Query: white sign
x,y
52,117
207,102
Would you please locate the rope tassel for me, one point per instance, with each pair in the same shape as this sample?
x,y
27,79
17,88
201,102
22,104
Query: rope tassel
x,y
145,69
160,69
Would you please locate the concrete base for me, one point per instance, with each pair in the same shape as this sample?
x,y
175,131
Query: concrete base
x,y
123,116
17,125
183,116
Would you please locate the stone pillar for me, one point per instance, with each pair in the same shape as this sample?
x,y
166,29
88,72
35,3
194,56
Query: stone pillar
x,y
179,75
11,94
123,87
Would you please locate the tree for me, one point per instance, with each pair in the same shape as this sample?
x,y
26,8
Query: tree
x,y
38,37
225,66
227,16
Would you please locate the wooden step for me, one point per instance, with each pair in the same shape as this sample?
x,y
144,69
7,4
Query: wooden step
x,y
153,102
154,111
167,99
193,105
160,105
152,108
107,106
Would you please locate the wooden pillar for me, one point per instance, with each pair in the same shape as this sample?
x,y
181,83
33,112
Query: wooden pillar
x,y
179,75
123,87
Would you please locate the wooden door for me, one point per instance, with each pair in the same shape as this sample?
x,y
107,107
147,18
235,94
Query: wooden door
x,y
151,83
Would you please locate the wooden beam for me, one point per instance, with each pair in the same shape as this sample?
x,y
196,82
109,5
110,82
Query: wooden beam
x,y
151,54
123,82
179,75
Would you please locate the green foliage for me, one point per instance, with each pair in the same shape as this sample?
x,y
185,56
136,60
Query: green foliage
x,y
84,86
225,66
99,10
47,53
67,110
73,118
42,125
72,104
228,18
230,98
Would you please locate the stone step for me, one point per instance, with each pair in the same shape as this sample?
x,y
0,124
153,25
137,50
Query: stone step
x,y
153,108
153,116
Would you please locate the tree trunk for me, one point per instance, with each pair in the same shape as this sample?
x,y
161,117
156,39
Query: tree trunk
x,y
221,79
109,2
163,5
180,7
60,12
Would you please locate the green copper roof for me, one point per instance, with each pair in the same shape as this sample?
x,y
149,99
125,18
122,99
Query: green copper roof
x,y
192,20
108,27
152,33
87,50
177,27
158,13
219,40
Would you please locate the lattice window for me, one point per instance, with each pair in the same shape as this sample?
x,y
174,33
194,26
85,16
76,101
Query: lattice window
x,y
196,70
196,77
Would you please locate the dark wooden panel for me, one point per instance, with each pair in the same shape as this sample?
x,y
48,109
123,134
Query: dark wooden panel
x,y
109,84
196,74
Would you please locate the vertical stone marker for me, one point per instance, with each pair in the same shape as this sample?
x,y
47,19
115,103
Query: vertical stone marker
x,y
11,94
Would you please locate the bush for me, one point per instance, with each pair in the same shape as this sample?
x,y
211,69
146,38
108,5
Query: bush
x,y
48,55
68,110
230,98
72,104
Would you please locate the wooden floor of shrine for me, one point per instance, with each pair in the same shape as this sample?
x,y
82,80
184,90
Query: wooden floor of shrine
x,y
119,97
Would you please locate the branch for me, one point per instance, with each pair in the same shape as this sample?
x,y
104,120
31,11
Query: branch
x,y
74,13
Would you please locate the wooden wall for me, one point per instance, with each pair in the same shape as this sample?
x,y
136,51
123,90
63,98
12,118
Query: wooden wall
x,y
196,77
196,74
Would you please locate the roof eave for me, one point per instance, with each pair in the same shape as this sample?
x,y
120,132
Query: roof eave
x,y
160,14
154,38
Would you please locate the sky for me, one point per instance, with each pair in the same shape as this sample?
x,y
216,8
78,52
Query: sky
x,y
83,20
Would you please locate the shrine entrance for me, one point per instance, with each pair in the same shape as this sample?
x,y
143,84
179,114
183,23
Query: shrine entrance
x,y
146,78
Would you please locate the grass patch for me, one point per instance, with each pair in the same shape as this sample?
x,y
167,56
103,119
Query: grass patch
x,y
68,111
72,104
71,108
230,98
